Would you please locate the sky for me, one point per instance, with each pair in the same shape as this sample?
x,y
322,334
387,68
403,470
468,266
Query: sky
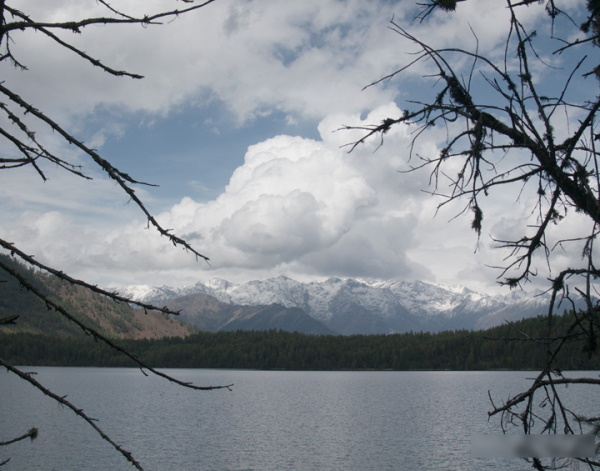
x,y
238,121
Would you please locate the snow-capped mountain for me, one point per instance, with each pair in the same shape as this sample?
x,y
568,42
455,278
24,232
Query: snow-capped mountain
x,y
350,306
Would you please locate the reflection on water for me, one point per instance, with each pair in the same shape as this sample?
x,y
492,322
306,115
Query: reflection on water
x,y
270,421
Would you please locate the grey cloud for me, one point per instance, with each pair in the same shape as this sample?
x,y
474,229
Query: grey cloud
x,y
286,225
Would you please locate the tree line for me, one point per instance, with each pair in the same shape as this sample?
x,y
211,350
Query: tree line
x,y
518,345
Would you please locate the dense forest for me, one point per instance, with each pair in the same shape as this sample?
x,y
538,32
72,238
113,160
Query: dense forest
x,y
43,338
518,345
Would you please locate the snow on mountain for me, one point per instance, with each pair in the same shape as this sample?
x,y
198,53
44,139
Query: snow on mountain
x,y
351,306
157,295
425,300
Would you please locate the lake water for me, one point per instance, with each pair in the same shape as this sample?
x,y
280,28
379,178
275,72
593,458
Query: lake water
x,y
271,420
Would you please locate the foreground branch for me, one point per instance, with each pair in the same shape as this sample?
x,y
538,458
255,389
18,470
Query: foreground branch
x,y
32,434
79,412
122,179
98,336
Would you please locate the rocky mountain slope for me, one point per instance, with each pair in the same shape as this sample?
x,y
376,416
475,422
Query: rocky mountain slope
x,y
344,306
349,306
115,320
209,314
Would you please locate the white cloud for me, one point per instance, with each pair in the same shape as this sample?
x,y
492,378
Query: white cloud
x,y
297,204
308,58
303,207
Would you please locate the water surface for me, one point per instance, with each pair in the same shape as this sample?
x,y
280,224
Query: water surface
x,y
271,420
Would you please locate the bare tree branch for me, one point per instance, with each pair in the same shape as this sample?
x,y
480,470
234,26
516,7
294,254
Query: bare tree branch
x,y
502,131
20,119
78,412
123,179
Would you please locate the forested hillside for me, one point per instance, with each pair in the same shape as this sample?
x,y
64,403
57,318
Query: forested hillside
x,y
110,318
42,337
458,350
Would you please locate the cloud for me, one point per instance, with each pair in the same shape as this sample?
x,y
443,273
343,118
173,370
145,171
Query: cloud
x,y
305,60
293,201
256,57
305,208
301,205
298,206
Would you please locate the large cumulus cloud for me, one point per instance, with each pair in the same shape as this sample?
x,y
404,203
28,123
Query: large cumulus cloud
x,y
300,206
303,207
297,205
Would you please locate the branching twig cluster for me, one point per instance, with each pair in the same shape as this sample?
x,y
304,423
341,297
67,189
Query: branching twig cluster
x,y
18,120
504,131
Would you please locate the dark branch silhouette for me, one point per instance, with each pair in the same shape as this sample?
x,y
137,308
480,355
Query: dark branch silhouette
x,y
19,118
519,122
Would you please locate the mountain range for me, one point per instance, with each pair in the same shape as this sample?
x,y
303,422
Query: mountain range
x,y
333,306
342,306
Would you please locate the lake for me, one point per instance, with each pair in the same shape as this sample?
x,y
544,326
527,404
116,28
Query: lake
x,y
271,420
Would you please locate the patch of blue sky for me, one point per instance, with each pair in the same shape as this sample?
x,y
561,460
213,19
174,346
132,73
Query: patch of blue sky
x,y
192,151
